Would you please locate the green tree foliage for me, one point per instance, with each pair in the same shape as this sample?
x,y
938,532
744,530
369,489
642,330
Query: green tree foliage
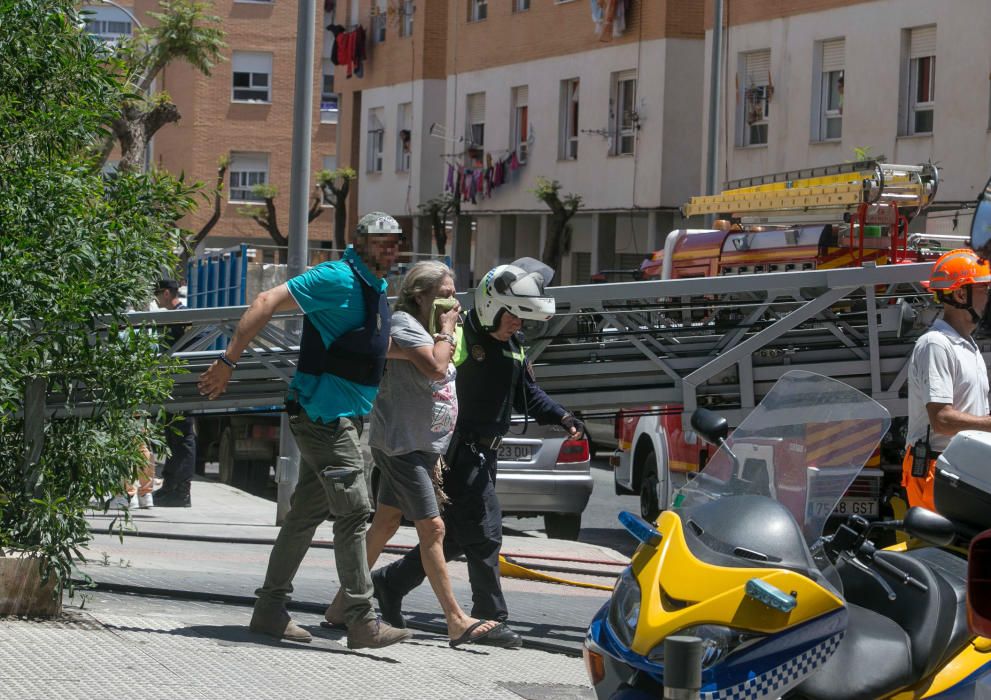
x,y
183,30
77,249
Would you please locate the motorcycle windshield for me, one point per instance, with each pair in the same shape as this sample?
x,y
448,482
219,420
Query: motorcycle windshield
x,y
802,446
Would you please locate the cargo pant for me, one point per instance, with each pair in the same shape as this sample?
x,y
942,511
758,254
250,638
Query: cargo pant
x,y
918,489
344,496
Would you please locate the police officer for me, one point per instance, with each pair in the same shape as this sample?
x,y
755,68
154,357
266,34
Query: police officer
x,y
493,381
341,359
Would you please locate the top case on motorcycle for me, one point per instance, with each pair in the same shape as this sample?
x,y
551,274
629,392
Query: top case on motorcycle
x,y
962,488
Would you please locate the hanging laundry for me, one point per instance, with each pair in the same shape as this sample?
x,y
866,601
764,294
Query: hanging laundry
x,y
359,55
336,30
514,162
598,13
472,186
345,49
497,174
608,17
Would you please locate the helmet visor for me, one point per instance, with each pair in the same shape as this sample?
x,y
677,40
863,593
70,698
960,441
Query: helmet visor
x,y
529,285
532,308
980,228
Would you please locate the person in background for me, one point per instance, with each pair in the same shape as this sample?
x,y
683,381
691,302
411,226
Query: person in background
x,y
493,380
341,359
947,376
180,430
140,495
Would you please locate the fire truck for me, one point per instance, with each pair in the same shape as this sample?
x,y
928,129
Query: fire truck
x,y
849,215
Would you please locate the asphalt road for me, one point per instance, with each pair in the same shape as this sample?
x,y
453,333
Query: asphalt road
x,y
599,523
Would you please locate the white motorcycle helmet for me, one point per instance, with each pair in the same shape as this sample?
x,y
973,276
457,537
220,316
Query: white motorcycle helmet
x,y
517,288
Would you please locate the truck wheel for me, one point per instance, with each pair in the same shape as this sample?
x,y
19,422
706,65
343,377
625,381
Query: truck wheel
x,y
649,506
225,456
562,526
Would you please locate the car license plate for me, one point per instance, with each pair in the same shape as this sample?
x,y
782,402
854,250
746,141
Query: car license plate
x,y
857,506
515,453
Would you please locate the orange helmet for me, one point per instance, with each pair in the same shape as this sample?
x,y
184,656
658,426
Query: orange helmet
x,y
957,269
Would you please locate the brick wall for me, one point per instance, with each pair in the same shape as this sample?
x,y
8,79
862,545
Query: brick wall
x,y
212,125
747,11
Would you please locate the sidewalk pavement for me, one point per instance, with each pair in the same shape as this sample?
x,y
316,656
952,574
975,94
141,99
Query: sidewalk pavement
x,y
168,619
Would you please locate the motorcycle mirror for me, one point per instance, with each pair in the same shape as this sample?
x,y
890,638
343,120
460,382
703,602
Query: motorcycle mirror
x,y
710,425
929,526
979,585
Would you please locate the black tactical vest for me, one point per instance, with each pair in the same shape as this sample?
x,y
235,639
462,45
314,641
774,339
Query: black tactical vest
x,y
357,356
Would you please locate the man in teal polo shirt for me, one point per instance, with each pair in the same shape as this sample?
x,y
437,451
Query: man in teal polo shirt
x,y
342,354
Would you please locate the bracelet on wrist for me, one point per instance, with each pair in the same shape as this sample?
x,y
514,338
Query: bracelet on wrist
x,y
446,337
227,361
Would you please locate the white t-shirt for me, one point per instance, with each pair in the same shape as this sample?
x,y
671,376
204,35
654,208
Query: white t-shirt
x,y
945,368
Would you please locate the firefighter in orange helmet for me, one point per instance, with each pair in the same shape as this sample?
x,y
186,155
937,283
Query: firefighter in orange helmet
x,y
947,376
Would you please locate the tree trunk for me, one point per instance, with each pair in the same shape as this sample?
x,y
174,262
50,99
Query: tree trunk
x,y
439,225
340,224
197,238
134,129
557,242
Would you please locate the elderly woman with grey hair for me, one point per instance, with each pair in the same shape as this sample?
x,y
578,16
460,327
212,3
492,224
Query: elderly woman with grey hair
x,y
411,426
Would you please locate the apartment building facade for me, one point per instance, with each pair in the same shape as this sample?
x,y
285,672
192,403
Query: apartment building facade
x,y
242,112
813,82
496,95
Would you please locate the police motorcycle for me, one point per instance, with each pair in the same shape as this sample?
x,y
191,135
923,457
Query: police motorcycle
x,y
741,563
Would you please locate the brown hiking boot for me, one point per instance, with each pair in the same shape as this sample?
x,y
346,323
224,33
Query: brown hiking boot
x,y
277,623
334,614
374,634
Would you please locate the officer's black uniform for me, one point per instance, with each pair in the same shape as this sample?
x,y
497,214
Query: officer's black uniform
x,y
493,381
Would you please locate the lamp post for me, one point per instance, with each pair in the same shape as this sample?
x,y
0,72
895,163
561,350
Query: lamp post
x,y
287,472
715,88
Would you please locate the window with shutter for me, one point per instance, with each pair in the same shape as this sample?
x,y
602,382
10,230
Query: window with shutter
x,y
475,121
624,113
250,76
757,92
521,123
376,140
922,79
568,147
831,83
247,171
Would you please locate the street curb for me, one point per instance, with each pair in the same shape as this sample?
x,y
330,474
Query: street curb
x,y
299,606
390,549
